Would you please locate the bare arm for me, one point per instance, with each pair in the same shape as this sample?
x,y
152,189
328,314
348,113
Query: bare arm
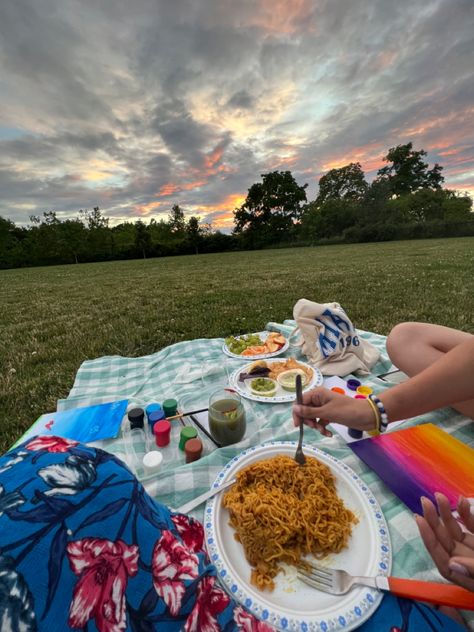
x,y
448,380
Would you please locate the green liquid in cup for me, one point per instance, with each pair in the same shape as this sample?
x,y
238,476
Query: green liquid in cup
x,y
227,421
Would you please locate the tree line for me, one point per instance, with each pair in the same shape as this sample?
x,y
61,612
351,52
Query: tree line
x,y
405,200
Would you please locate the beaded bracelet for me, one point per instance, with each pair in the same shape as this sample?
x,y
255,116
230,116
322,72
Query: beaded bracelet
x,y
378,419
383,413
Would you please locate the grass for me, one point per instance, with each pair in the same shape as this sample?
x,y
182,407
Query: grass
x,y
54,318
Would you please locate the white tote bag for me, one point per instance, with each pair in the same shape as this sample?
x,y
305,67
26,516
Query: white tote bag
x,y
329,340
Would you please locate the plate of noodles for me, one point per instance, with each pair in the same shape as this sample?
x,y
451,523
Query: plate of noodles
x,y
282,514
239,380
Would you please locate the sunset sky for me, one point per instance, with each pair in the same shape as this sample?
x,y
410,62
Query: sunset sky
x,y
136,106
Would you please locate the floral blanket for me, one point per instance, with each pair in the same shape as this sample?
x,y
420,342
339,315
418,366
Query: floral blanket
x,y
84,547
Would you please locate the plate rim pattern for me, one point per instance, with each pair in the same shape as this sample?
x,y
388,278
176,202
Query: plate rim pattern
x,y
348,620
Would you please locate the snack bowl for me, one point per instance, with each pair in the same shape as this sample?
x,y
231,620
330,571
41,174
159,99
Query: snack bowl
x,y
263,386
287,379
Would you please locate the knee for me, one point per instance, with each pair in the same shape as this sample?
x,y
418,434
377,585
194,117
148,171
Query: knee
x,y
401,335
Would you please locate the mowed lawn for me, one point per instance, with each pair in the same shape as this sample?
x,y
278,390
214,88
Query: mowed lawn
x,y
54,318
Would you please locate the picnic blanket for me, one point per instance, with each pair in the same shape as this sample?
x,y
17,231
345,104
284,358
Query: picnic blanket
x,y
197,368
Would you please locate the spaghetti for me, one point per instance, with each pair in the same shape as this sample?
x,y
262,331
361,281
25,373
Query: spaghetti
x,y
282,511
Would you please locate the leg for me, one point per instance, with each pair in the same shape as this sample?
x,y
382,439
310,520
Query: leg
x,y
414,346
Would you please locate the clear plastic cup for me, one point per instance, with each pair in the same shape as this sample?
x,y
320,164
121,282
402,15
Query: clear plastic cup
x,y
227,423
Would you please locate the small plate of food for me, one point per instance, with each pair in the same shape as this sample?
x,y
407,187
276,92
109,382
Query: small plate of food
x,y
274,381
265,344
278,515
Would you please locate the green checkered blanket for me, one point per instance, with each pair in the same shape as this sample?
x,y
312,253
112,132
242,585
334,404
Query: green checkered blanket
x,y
189,371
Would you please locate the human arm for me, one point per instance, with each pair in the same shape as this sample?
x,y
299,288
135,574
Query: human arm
x,y
445,382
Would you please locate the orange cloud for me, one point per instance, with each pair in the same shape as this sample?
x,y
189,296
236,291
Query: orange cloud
x,y
146,209
214,157
449,152
370,157
223,212
439,124
168,189
281,16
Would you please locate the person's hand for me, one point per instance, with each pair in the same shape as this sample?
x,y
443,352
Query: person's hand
x,y
322,406
450,547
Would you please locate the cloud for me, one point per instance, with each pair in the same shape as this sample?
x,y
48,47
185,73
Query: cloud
x,y
136,107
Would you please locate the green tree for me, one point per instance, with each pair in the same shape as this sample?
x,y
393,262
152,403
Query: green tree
x,y
194,232
428,205
176,220
74,238
273,205
457,208
407,172
328,220
94,219
11,244
346,183
48,246
100,237
142,238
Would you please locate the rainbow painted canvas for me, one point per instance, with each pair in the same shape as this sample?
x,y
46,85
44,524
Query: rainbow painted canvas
x,y
420,461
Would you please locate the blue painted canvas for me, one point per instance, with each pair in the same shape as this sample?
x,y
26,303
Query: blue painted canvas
x,y
85,424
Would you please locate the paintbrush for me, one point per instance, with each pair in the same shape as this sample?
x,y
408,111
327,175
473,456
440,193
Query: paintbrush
x,y
195,412
191,412
202,429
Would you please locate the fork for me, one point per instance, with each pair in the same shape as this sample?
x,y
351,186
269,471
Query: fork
x,y
299,456
339,582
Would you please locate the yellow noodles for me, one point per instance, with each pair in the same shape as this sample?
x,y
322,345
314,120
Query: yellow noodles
x,y
282,511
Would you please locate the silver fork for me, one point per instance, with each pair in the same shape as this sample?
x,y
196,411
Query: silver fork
x,y
299,456
339,582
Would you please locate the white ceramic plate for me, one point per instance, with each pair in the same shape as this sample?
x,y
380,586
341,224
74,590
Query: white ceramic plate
x,y
281,396
263,336
293,605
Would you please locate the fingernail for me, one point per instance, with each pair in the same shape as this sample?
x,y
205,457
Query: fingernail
x,y
458,568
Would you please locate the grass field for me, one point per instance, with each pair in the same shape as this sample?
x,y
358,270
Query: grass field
x,y
51,319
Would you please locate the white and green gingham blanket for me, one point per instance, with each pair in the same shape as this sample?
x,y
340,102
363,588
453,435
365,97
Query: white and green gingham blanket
x,y
195,368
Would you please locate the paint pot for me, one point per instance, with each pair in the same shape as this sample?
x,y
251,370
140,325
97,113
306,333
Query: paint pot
x,y
155,415
136,416
187,433
152,462
193,450
170,406
359,396
337,389
364,390
161,430
355,434
151,408
353,385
